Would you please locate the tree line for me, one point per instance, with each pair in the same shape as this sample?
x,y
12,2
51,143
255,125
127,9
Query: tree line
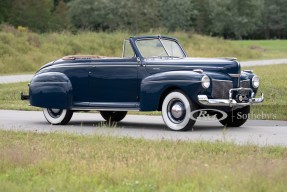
x,y
234,19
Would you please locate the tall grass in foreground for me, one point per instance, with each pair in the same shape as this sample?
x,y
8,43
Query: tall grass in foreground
x,y
22,51
61,162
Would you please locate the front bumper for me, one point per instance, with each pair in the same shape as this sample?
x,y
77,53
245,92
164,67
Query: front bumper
x,y
203,99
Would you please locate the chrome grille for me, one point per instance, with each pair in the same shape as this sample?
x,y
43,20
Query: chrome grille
x,y
245,84
220,89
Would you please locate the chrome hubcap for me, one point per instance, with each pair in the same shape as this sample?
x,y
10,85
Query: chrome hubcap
x,y
55,110
55,113
176,111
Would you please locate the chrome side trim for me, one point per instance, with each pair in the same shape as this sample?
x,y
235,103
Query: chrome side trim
x,y
105,105
234,75
171,81
114,104
102,109
127,65
248,71
222,80
184,66
198,70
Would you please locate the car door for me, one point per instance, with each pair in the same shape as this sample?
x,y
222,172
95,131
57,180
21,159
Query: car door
x,y
114,83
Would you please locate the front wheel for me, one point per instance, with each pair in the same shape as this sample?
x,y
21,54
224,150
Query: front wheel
x,y
236,118
114,116
176,111
57,116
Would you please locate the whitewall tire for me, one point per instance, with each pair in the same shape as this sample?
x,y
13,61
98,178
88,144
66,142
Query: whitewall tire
x,y
176,111
57,116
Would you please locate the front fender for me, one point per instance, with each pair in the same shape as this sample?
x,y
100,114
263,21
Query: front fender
x,y
153,87
51,90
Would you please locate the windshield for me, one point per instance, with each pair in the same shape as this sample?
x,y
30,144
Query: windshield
x,y
159,48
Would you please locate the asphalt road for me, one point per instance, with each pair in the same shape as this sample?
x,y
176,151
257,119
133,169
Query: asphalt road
x,y
259,132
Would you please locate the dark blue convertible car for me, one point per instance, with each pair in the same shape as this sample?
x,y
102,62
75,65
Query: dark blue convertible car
x,y
153,74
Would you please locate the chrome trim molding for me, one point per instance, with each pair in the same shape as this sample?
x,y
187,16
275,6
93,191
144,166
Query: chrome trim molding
x,y
184,66
170,81
222,80
248,71
103,109
198,70
234,75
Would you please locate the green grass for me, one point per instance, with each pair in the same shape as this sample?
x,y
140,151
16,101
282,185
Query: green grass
x,y
10,96
62,162
269,48
25,52
273,86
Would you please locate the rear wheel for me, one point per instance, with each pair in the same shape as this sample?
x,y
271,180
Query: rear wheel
x,y
114,116
176,111
236,118
57,116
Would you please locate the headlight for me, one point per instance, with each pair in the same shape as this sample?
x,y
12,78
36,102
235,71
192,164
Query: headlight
x,y
255,81
205,82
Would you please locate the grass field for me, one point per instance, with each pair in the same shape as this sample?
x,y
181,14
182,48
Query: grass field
x,y
273,85
61,162
269,48
10,96
24,52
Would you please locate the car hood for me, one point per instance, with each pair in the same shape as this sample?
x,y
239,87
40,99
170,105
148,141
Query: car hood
x,y
228,66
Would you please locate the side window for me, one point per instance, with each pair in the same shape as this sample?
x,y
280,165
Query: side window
x,y
128,51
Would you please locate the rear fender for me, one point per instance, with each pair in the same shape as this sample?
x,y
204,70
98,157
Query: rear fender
x,y
51,90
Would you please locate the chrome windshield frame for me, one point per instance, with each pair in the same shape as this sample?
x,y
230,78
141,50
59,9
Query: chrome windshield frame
x,y
160,38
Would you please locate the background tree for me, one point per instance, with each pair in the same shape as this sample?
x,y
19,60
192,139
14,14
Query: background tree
x,y
203,18
178,14
235,18
5,7
60,17
274,19
227,18
34,14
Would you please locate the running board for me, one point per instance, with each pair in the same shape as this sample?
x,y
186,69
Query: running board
x,y
106,106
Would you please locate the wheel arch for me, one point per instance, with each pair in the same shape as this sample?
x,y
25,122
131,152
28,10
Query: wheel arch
x,y
165,93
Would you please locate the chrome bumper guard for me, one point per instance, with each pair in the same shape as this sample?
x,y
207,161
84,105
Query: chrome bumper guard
x,y
203,99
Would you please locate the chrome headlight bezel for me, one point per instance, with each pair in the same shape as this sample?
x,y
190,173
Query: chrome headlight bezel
x,y
255,81
205,82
